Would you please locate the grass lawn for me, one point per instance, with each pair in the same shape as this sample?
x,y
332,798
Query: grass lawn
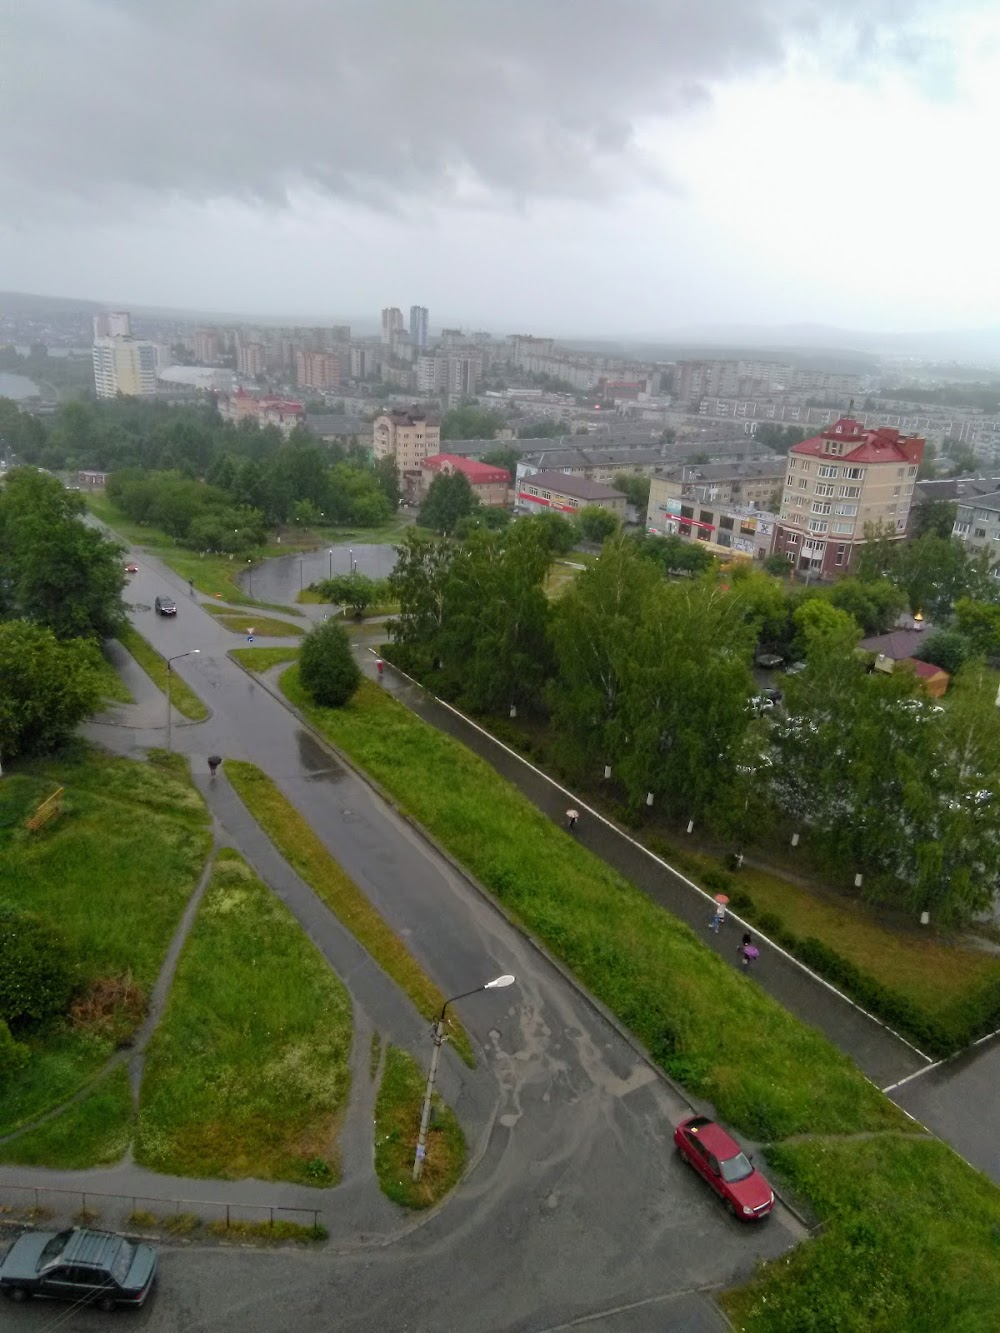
x,y
389,534
561,574
212,574
397,1125
767,1073
909,1238
306,854
114,689
909,1243
94,1131
182,697
938,977
262,659
247,1073
264,627
113,871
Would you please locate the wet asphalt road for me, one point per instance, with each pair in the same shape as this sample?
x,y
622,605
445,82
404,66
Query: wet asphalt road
x,y
282,579
578,1209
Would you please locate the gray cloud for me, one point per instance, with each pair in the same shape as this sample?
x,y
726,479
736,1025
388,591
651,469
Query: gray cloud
x,y
385,101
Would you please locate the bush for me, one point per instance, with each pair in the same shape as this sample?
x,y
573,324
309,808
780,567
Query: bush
x,y
326,667
36,969
13,1056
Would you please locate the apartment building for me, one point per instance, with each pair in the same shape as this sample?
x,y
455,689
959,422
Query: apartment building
x,y
407,437
836,483
270,410
125,366
392,324
750,483
977,526
206,346
541,491
418,326
316,370
491,485
113,324
251,359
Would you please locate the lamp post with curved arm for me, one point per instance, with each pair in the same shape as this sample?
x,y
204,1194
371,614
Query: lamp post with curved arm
x,y
440,1036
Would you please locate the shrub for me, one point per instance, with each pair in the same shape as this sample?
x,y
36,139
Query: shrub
x,y
36,969
13,1056
326,667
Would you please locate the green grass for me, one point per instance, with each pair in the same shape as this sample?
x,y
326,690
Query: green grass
x,y
910,1242
247,1074
114,871
214,575
938,977
113,688
768,1074
397,1124
154,664
94,1131
262,659
306,854
308,596
264,627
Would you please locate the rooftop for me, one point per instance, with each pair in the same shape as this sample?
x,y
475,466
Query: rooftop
x,y
477,473
883,445
580,488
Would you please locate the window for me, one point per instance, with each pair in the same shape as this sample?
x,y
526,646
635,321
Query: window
x,y
848,511
911,471
820,507
789,480
841,550
980,532
707,516
900,522
843,527
855,474
800,501
849,492
803,484
825,490
899,472
806,466
827,470
817,525
792,538
896,490
793,462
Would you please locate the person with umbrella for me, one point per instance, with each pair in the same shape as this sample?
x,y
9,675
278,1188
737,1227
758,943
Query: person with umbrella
x,y
214,760
720,911
571,819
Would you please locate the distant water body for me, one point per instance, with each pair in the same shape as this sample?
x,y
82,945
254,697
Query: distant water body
x,y
17,386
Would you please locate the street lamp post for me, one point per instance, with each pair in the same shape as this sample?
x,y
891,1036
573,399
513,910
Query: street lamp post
x,y
192,652
250,575
330,554
439,1035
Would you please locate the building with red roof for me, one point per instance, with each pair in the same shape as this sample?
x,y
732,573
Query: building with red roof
x,y
836,484
490,484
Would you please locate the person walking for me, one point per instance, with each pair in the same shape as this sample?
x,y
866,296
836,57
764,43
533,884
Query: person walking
x,y
571,819
379,667
718,918
744,946
191,586
214,760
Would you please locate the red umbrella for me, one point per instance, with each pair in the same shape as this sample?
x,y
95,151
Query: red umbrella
x,y
722,897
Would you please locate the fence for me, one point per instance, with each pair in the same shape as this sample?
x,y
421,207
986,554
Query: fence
x,y
32,1202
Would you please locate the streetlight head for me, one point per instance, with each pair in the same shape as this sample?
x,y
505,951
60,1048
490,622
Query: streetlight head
x,y
498,982
195,652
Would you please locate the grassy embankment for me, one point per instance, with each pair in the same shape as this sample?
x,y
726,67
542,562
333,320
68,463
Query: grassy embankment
x,y
397,1124
263,659
95,1131
247,1074
306,854
113,688
113,871
182,697
264,627
892,1203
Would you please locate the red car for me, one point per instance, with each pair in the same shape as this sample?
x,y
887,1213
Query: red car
x,y
707,1147
132,568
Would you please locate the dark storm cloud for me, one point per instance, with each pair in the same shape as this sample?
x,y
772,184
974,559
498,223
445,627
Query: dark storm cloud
x,y
382,100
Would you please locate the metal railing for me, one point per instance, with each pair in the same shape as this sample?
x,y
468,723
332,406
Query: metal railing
x,y
44,1200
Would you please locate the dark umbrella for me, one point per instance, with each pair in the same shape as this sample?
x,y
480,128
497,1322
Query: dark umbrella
x,y
214,760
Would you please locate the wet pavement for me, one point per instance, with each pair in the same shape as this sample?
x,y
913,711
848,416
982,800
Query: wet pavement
x,y
577,1208
283,578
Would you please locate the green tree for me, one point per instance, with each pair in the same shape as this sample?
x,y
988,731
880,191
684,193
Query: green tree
x,y
946,648
936,516
634,487
878,551
37,975
543,429
875,605
327,668
934,572
560,533
470,423
49,688
506,457
596,524
14,1056
778,567
927,468
417,583
449,498
979,622
56,570
355,590
387,476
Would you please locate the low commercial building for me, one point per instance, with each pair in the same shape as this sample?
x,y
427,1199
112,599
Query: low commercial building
x,y
559,491
491,485
741,530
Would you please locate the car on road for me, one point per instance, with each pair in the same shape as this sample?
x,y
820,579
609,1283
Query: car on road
x,y
718,1158
131,567
165,606
86,1267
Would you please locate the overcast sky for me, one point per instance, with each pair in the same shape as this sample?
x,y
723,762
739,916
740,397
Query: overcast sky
x,y
572,166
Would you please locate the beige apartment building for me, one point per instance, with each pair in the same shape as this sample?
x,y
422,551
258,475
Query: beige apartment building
x,y
316,370
406,437
125,366
838,482
750,483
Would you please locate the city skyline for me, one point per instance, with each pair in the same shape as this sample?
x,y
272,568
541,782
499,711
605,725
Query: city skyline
x,y
655,167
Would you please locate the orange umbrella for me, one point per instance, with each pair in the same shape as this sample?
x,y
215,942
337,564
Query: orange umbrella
x,y
722,897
